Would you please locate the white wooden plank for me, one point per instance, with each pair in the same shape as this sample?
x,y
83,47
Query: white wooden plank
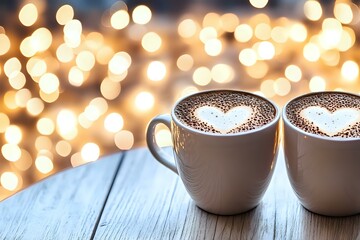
x,y
66,205
150,202
147,201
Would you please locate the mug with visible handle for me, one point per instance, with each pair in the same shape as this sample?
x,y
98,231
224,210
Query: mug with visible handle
x,y
223,173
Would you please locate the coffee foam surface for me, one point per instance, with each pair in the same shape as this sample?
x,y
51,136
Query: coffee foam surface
x,y
224,122
331,123
224,112
327,114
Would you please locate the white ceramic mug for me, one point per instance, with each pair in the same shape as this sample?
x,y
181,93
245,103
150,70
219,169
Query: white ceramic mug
x,y
323,171
223,173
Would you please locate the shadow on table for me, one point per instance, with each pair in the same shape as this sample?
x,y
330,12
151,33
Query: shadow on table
x,y
256,224
322,227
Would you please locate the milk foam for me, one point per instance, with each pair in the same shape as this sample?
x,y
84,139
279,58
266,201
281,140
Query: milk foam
x,y
224,122
262,112
331,123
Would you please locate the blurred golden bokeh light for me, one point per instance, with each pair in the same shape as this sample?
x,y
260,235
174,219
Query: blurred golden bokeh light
x,y
4,44
120,19
28,14
312,10
64,14
151,42
141,14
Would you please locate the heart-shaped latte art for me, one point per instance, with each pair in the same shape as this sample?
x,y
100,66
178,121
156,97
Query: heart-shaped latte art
x,y
224,122
331,123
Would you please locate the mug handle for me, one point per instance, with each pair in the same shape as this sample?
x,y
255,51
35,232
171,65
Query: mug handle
x,y
160,155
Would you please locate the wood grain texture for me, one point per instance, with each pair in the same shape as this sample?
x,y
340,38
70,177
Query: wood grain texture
x,y
150,202
147,201
64,206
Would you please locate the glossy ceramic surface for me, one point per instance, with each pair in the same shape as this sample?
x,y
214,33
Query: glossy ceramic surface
x,y
223,174
324,172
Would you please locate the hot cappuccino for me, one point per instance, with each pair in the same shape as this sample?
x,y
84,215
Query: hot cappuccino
x,y
332,114
225,111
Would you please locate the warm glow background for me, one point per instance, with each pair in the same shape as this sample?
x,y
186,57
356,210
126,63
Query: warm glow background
x,y
72,91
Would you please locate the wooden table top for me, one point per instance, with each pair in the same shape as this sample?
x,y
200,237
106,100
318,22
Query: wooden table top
x,y
131,196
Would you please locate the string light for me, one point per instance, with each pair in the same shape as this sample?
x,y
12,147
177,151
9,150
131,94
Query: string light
x,y
141,14
213,47
35,106
248,57
187,28
41,39
293,73
36,67
185,62
4,122
202,76
265,50
151,42
311,52
13,134
49,83
11,152
350,71
113,122
163,138
66,124
12,66
85,60
64,14
49,97
347,39
317,84
110,89
17,80
343,12
263,31
76,77
90,152
282,86
188,90
144,101
279,34
258,70
212,19
119,63
72,33
120,19
9,181
44,164
298,32
45,126
243,33
63,148
312,10
156,71
258,3
331,33
207,34
25,161
28,14
4,44
267,88
222,73
124,140
43,143
229,22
